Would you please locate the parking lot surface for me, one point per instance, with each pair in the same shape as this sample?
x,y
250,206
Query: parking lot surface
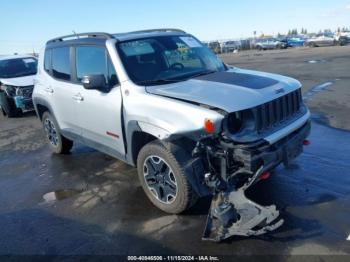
x,y
90,203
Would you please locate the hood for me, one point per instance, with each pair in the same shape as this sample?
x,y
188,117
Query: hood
x,y
19,81
232,90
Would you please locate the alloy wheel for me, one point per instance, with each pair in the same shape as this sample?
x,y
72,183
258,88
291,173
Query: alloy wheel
x,y
160,179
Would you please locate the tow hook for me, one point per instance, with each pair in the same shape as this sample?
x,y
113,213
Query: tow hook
x,y
232,213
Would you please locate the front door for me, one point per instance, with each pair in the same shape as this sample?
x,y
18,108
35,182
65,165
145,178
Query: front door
x,y
100,110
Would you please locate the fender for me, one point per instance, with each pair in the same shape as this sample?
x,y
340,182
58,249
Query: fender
x,y
140,126
153,130
40,101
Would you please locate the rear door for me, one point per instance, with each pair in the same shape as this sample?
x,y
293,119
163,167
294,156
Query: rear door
x,y
100,110
63,90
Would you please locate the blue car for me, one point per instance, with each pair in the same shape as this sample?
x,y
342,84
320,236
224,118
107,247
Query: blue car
x,y
293,41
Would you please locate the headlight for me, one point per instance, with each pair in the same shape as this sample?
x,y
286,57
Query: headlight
x,y
241,121
10,90
19,92
234,122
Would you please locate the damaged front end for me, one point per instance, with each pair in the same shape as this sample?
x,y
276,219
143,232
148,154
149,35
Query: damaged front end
x,y
21,95
232,167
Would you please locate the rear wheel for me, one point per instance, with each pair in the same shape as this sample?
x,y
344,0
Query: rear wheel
x,y
58,143
312,44
163,179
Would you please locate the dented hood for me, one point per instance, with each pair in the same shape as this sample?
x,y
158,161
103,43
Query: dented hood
x,y
232,90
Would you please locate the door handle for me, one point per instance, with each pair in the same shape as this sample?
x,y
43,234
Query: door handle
x,y
78,97
48,89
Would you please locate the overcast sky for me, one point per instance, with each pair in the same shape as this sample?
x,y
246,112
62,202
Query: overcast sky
x,y
27,24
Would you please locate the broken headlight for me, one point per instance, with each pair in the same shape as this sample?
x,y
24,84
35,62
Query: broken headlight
x,y
10,90
242,121
19,92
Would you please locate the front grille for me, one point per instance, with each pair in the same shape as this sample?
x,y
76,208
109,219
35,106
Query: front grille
x,y
27,91
272,113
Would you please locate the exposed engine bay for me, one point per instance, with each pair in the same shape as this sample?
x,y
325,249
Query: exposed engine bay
x,y
232,169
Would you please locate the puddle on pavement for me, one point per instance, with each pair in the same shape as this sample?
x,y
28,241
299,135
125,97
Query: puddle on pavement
x,y
316,89
59,195
316,61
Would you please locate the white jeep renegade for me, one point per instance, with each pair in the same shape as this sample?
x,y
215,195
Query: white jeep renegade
x,y
160,100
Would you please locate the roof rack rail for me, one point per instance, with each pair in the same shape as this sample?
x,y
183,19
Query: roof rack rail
x,y
77,36
157,30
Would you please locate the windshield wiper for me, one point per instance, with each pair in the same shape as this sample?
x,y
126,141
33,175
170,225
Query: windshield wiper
x,y
158,81
202,73
167,81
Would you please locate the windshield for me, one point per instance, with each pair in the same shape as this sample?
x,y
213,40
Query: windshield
x,y
163,59
18,67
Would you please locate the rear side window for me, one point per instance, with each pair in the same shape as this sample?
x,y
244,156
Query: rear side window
x,y
61,63
92,60
47,61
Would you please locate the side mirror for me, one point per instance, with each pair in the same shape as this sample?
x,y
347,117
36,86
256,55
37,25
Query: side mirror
x,y
97,82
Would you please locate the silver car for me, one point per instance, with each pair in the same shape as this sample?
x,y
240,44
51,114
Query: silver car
x,y
321,40
163,102
269,43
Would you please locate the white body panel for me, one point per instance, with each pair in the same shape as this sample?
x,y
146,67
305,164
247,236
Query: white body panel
x,y
163,111
99,117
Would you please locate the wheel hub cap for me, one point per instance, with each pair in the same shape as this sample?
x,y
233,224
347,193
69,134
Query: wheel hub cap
x,y
51,132
160,179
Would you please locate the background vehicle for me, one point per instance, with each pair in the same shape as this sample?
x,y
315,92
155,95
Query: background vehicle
x,y
230,46
215,46
321,40
161,101
343,38
293,41
269,43
16,84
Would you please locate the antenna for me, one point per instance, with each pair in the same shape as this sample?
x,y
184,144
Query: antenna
x,y
75,34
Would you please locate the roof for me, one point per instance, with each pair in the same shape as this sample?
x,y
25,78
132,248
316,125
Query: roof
x,y
101,37
148,33
6,57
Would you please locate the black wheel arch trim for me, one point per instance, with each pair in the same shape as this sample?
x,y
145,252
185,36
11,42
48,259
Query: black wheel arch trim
x,y
37,101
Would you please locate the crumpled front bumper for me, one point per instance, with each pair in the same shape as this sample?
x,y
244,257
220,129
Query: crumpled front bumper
x,y
23,103
231,212
282,151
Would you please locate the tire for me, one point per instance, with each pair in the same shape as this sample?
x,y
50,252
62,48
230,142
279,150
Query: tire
x,y
158,154
8,106
58,143
312,44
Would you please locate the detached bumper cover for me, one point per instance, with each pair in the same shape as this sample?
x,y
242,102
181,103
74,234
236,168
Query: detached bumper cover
x,y
231,212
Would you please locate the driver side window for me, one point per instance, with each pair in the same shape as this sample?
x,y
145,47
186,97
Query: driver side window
x,y
93,60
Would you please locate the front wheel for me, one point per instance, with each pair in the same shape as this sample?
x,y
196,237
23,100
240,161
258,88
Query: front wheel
x,y
163,179
8,106
58,143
